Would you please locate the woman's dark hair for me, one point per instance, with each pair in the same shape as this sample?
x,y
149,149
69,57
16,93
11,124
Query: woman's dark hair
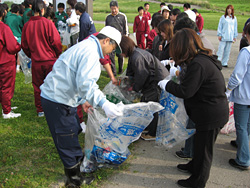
x,y
156,20
50,13
185,22
37,6
166,27
247,29
72,3
81,7
229,6
14,8
61,5
185,45
127,46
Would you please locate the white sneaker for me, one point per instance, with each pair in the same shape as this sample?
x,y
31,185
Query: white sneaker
x,y
83,125
11,115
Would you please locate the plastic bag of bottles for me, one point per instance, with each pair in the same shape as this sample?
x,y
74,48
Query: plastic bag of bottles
x,y
26,64
172,121
107,140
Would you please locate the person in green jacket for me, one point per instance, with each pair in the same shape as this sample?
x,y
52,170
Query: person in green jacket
x,y
15,22
60,14
28,7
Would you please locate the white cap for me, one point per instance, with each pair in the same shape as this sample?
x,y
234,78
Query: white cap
x,y
164,8
114,34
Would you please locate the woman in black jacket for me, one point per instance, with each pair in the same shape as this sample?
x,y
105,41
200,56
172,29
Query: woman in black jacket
x,y
202,87
146,71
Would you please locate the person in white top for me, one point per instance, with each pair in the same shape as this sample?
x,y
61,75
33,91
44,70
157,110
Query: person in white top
x,y
190,13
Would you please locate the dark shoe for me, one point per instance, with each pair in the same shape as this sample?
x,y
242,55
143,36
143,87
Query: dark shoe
x,y
233,163
75,179
224,66
184,183
181,155
233,143
184,168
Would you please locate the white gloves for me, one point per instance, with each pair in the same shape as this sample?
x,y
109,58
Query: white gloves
x,y
162,84
165,62
134,34
173,71
111,110
228,93
146,35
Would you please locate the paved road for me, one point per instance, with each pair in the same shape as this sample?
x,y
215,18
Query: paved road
x,y
156,168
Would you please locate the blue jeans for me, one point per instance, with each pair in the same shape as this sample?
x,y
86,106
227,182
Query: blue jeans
x,y
242,125
224,51
189,143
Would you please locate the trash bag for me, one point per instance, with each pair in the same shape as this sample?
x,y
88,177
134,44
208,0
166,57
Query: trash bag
x,y
172,121
230,125
25,63
107,140
123,92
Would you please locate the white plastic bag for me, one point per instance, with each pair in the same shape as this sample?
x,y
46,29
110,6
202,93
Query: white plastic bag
x,y
172,121
107,140
25,63
230,125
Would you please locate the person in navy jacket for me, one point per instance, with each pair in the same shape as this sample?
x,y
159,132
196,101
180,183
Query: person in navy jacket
x,y
87,26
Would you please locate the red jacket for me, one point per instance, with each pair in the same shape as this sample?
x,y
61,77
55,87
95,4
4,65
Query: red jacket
x,y
147,15
41,40
8,45
141,25
199,22
151,37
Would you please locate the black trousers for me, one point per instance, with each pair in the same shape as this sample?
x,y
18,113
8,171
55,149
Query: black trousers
x,y
120,62
203,156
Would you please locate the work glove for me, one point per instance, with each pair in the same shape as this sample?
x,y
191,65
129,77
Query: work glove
x,y
111,110
146,35
162,84
165,62
228,93
134,34
173,71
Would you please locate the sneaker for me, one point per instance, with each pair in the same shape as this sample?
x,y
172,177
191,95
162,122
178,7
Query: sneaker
x,y
183,168
233,143
147,137
11,115
181,155
184,183
40,114
233,163
83,126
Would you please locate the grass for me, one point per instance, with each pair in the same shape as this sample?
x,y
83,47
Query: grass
x,y
211,13
28,157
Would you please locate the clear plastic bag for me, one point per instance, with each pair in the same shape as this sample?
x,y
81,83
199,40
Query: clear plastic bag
x,y
26,64
230,125
172,121
107,140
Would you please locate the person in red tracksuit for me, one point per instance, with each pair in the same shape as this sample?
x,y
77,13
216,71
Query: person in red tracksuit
x,y
141,28
8,48
41,42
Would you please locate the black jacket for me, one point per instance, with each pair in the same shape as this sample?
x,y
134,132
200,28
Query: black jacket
x,y
141,66
155,47
121,20
203,90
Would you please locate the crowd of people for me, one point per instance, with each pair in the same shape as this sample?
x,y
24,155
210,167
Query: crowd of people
x,y
169,43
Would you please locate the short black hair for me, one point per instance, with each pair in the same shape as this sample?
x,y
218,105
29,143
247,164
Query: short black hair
x,y
14,8
176,11
145,4
2,10
185,22
170,7
113,4
162,4
51,5
187,5
50,13
182,15
156,20
195,10
27,3
140,8
81,7
61,5
21,9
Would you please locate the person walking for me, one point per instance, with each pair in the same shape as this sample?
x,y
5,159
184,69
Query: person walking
x,y
202,86
121,19
238,91
71,83
41,42
227,34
